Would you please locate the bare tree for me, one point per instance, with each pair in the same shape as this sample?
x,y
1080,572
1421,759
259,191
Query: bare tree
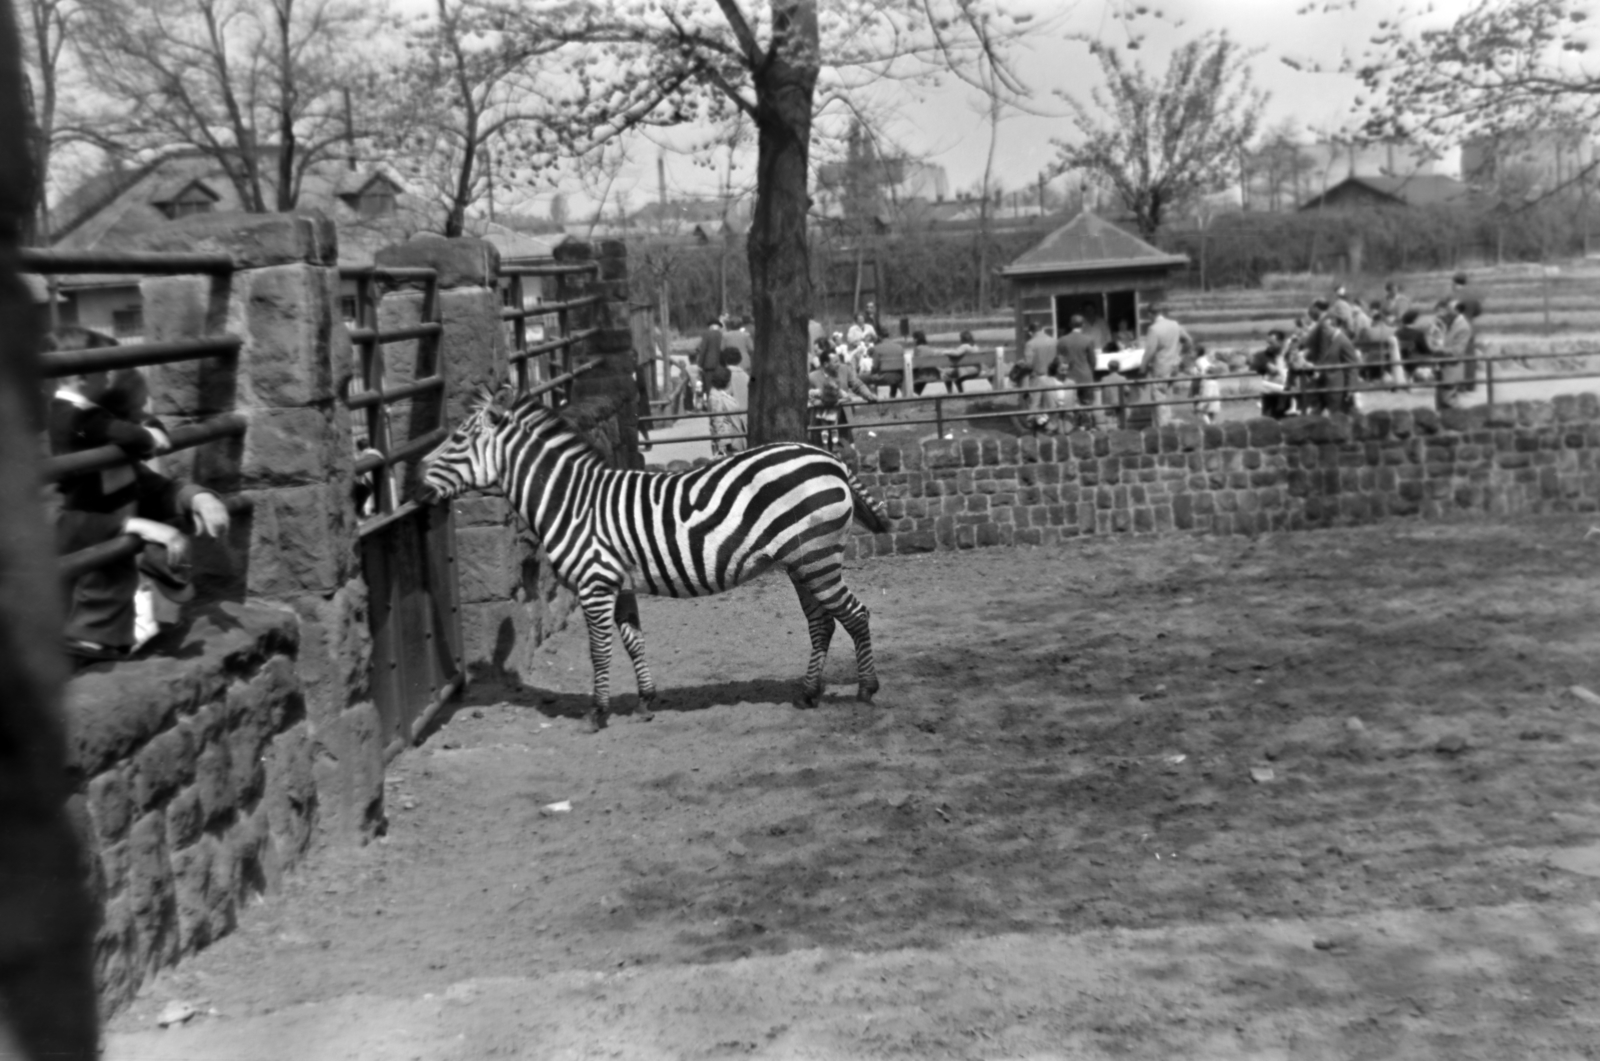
x,y
463,86
1503,66
1280,161
256,85
680,61
1160,143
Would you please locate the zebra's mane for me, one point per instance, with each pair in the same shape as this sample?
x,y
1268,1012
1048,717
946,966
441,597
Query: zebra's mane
x,y
528,410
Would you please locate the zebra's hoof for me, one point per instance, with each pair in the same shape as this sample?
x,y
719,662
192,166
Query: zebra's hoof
x,y
597,720
809,698
865,695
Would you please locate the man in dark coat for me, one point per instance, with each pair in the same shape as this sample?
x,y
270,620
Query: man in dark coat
x,y
1076,351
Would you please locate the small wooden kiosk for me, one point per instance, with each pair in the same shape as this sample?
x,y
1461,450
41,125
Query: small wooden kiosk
x,y
1090,267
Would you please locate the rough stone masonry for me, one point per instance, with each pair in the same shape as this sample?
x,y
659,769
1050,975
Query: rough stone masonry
x,y
1243,477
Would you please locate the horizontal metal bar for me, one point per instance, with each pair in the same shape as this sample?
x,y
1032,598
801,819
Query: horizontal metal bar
x,y
395,335
378,522
552,269
707,438
418,445
53,262
551,308
99,555
550,385
362,399
58,363
550,346
379,272
102,457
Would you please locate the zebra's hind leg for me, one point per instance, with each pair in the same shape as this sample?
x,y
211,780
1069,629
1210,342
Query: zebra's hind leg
x,y
819,624
828,588
632,632
598,601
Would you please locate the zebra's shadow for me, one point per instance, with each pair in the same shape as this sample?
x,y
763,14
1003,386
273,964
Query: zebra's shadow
x,y
550,703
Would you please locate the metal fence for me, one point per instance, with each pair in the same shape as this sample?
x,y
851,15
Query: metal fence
x,y
545,366
63,363
1138,397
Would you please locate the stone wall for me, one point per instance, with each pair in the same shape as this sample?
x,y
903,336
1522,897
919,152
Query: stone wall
x,y
294,541
204,768
195,786
1237,478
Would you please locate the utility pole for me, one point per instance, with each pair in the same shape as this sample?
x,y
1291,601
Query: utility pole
x,y
488,174
349,132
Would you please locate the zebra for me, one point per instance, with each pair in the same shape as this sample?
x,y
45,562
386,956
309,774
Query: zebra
x,y
610,534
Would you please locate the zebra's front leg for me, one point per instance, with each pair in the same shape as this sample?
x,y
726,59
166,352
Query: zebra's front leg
x,y
598,600
819,624
632,631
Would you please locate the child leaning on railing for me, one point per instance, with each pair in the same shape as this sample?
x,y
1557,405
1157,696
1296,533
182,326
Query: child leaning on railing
x,y
115,608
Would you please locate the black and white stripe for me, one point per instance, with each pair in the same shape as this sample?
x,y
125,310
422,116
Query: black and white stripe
x,y
612,533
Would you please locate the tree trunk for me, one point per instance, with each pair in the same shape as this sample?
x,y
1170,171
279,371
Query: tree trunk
x,y
285,196
780,256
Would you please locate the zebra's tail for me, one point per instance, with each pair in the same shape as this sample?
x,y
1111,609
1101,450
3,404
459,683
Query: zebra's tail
x,y
869,510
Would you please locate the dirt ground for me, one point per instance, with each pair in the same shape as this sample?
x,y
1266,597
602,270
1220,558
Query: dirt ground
x,y
1323,795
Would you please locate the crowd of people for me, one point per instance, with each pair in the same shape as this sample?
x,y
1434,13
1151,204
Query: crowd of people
x,y
1341,342
1338,347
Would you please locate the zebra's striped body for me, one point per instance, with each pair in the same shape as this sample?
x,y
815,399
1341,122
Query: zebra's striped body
x,y
612,533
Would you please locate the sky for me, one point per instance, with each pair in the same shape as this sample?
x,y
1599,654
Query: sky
x,y
946,126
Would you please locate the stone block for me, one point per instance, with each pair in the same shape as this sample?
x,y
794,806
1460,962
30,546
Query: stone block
x,y
347,766
193,899
110,804
478,356
1263,432
301,540
488,562
1126,442
292,796
461,261
286,319
251,240
162,766
149,893
178,308
280,447
185,818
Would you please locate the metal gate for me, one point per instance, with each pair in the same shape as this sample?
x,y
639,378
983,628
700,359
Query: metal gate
x,y
407,548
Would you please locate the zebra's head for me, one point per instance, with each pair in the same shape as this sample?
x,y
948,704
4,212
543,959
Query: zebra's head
x,y
469,459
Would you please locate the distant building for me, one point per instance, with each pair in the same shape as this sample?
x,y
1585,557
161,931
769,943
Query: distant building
x,y
1360,192
369,205
1091,267
1280,175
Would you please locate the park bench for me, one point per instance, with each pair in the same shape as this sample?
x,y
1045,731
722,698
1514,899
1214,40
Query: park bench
x,y
929,366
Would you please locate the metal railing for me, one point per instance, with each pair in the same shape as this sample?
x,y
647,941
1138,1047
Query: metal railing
x,y
63,363
379,460
532,364
1138,395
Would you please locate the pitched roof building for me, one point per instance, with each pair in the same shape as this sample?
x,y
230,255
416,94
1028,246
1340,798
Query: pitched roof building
x,y
1091,267
369,205
1422,189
